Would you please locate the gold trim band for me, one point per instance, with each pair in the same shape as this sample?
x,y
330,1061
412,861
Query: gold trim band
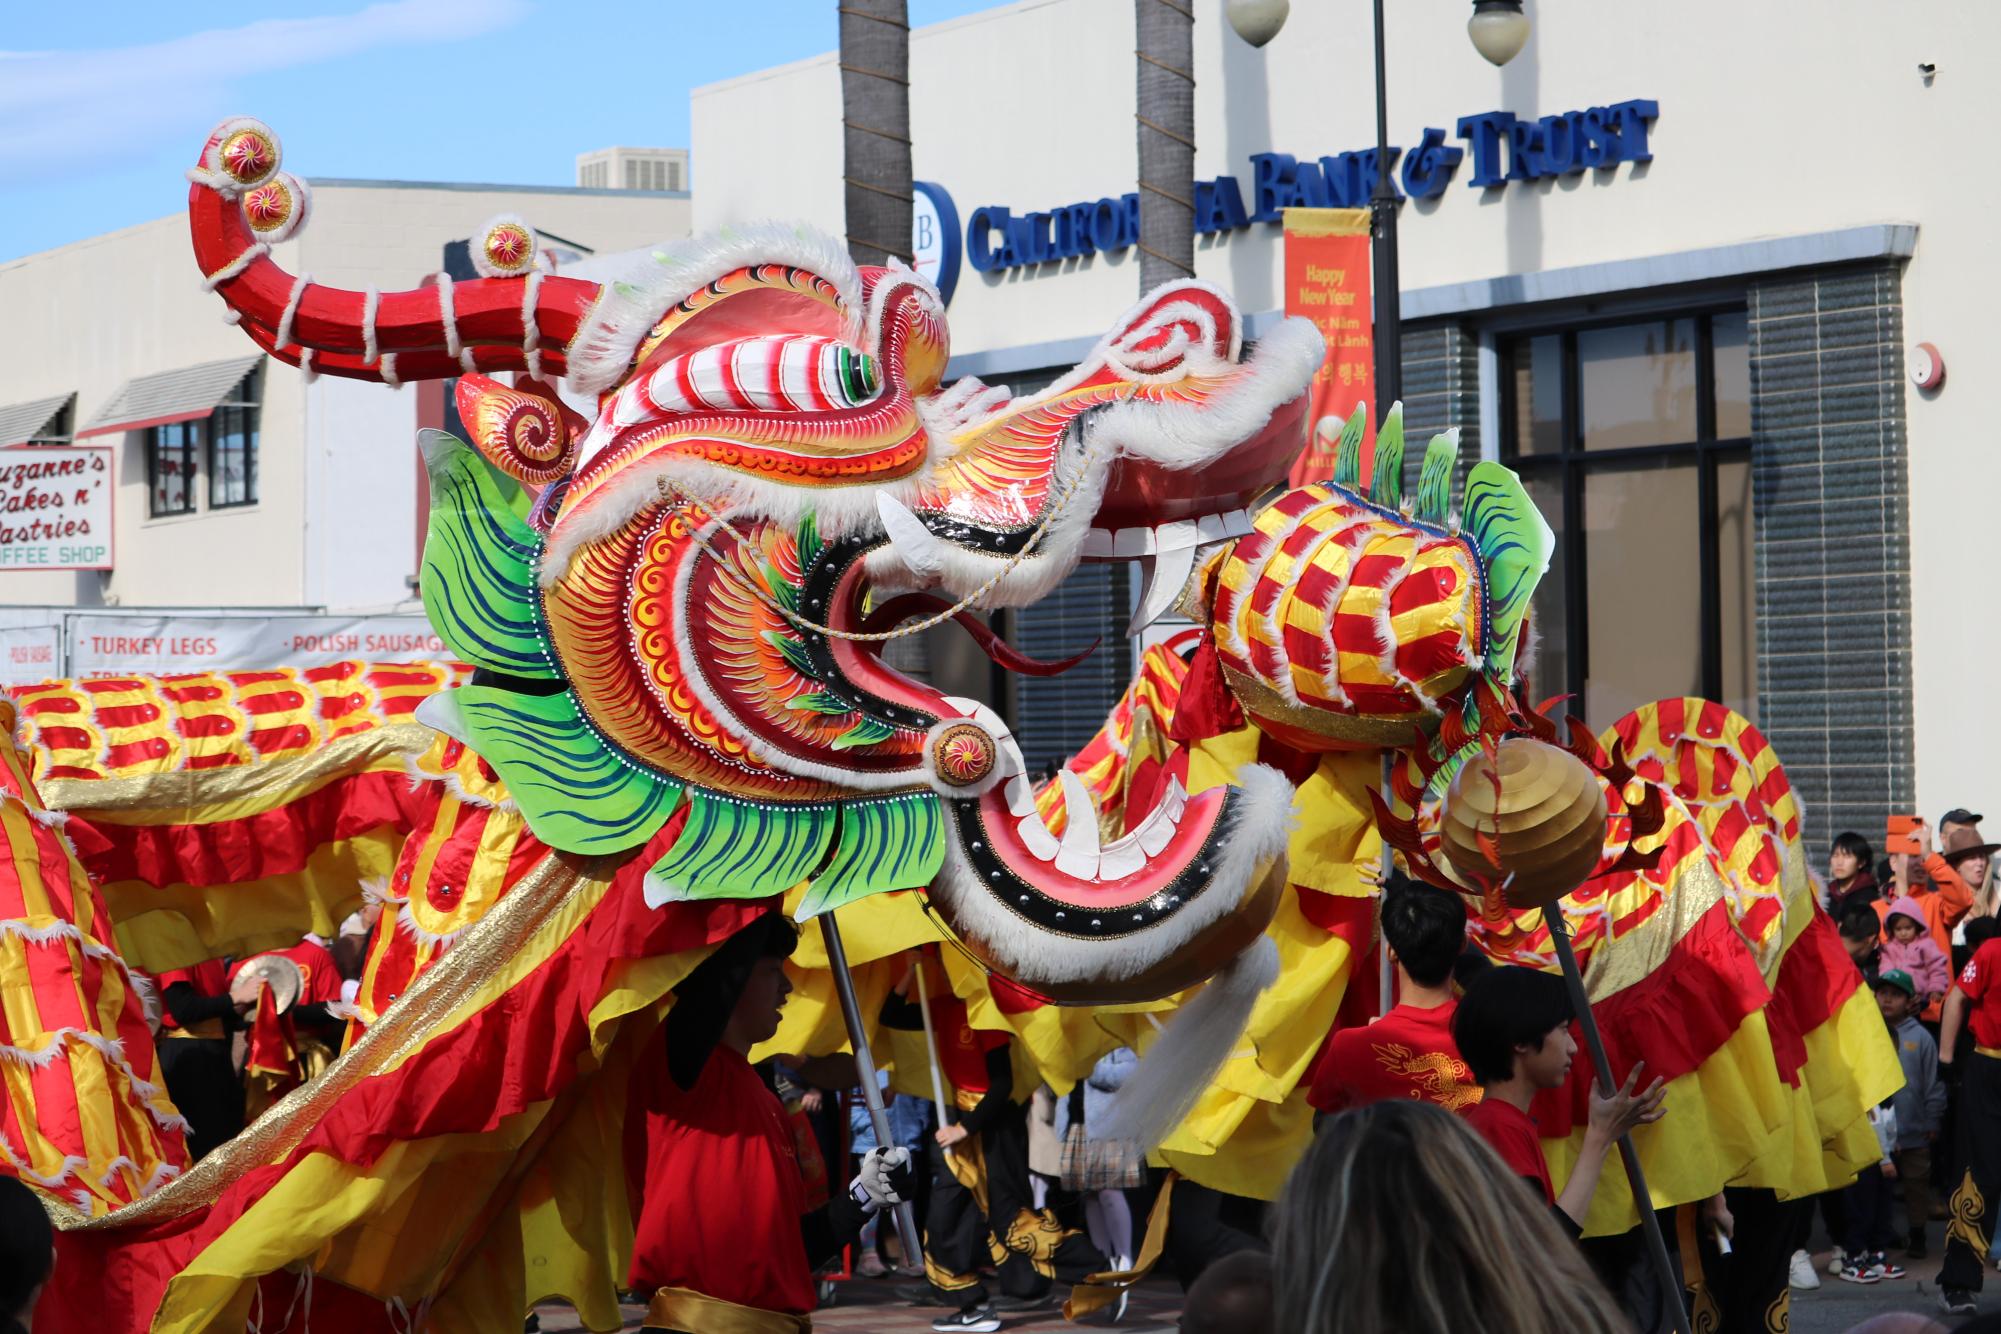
x,y
698,1313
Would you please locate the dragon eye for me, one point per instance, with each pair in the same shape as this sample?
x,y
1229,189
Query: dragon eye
x,y
859,378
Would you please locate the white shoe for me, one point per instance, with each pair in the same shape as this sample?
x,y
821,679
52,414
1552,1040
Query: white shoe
x,y
1802,1275
1836,1261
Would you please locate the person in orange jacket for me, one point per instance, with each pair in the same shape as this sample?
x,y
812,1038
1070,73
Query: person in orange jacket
x,y
1943,881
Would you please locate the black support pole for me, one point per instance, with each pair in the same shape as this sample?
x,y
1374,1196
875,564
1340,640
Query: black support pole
x,y
1383,232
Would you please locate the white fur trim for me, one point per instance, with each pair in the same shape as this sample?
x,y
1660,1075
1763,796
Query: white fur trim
x,y
299,286
1253,834
210,172
447,315
531,332
371,300
306,365
250,255
632,302
388,371
1184,1059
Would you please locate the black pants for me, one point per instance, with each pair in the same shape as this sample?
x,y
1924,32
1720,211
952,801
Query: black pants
x,y
1871,1204
955,1233
202,1081
1969,1228
1754,1295
1203,1225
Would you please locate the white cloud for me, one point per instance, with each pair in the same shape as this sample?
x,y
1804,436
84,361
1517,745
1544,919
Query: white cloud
x,y
64,112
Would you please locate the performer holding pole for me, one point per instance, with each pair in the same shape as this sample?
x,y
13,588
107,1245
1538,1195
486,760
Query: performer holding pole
x,y
722,1239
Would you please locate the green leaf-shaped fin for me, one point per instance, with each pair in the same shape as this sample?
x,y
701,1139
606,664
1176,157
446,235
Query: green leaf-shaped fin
x,y
864,733
793,652
892,843
736,849
1348,449
576,793
1386,474
809,541
1515,545
478,579
1434,481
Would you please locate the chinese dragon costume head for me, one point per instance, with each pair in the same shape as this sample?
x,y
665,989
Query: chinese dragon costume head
x,y
676,606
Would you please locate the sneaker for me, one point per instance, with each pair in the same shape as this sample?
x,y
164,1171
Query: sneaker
x,y
976,1319
1802,1275
1861,1273
1957,1301
1836,1260
871,1265
1885,1266
1008,1301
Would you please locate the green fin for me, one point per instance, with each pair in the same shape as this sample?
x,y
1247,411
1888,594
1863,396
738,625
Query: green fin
x,y
793,652
864,733
1386,475
809,541
893,843
1515,544
1434,483
734,849
575,792
478,580
1348,450
818,701
783,591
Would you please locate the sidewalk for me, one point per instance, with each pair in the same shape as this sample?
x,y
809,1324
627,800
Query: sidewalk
x,y
870,1306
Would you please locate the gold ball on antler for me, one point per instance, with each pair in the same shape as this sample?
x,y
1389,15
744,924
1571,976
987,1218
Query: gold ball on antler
x,y
1543,821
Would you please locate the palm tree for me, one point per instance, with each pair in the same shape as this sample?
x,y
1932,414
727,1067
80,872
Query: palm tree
x,y
875,118
1165,30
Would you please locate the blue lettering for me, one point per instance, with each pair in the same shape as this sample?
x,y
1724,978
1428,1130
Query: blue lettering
x,y
1271,185
985,221
1524,163
1368,172
1340,176
1484,133
1630,119
1106,216
1229,203
1129,218
1309,186
1600,141
1428,171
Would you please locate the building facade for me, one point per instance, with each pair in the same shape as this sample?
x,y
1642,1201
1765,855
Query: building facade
x,y
243,489
1692,269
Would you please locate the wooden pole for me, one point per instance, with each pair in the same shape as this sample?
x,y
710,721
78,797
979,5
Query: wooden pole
x,y
1636,1177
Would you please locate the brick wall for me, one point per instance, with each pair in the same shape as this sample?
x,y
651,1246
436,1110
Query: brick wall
x,y
1833,555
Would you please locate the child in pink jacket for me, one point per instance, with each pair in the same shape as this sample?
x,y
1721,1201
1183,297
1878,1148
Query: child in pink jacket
x,y
1909,946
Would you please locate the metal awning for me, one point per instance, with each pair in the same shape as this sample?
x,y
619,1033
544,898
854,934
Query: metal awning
x,y
170,396
22,422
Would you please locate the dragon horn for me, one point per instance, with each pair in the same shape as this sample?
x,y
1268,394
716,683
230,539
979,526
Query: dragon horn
x,y
515,318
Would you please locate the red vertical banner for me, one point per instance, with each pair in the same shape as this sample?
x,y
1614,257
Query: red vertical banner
x,y
1327,281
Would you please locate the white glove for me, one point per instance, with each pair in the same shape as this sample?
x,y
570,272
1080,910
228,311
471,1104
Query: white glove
x,y
884,1181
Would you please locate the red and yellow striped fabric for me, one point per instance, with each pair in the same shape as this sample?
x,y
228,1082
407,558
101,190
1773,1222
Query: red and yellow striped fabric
x,y
84,1117
1340,624
228,813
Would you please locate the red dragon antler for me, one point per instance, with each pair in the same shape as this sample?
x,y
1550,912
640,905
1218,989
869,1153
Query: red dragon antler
x,y
515,318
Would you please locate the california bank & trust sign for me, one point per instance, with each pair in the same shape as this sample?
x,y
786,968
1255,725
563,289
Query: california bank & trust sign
x,y
1504,148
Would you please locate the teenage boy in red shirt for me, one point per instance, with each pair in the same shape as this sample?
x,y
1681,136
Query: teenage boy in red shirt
x,y
1513,1030
1974,1000
1409,1052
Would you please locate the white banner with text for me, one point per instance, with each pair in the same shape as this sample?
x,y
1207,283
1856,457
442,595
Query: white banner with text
x,y
117,645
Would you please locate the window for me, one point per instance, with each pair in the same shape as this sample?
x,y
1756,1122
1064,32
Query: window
x,y
170,467
1633,439
232,447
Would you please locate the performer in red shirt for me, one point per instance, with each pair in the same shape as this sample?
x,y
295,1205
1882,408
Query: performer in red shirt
x,y
1409,1052
1974,1001
1513,1029
723,1239
196,1018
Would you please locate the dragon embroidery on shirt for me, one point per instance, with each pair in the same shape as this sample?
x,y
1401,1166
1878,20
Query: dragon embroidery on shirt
x,y
1442,1079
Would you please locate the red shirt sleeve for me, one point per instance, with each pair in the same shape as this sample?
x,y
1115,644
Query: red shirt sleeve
x,y
1330,1091
1978,975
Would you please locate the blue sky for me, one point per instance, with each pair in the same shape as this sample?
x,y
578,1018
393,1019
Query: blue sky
x,y
103,105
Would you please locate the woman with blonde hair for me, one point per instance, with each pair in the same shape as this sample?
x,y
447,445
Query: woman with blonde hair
x,y
1400,1220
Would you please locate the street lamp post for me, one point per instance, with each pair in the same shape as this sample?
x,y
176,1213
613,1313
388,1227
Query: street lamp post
x,y
1383,235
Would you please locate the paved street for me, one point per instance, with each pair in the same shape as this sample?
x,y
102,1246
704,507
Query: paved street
x,y
1836,1306
870,1306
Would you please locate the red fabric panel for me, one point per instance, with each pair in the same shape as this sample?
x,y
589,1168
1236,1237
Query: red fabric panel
x,y
521,1050
275,842
1205,707
1815,978
1674,1018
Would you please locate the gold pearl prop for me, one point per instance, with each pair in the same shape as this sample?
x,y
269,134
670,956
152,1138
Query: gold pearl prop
x,y
1547,820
